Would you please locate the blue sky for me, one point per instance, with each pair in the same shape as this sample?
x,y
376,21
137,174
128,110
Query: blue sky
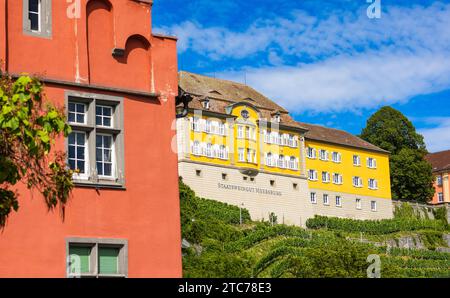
x,y
325,61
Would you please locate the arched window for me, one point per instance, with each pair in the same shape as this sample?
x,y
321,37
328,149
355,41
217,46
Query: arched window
x,y
293,163
269,159
209,150
196,148
281,163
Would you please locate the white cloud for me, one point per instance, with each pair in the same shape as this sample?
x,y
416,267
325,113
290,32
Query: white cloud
x,y
346,83
350,62
437,138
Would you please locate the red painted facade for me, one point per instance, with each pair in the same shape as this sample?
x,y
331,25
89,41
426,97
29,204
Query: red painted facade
x,y
78,57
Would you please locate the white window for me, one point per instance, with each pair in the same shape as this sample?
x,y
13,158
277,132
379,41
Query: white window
x,y
102,130
313,197
326,199
325,177
357,182
269,159
373,184
253,133
241,154
356,160
240,132
103,116
281,162
222,152
77,113
358,204
293,164
196,124
266,136
439,180
247,132
104,155
312,175
209,151
222,128
371,163
250,155
440,197
311,152
292,141
206,104
323,155
337,157
196,148
208,126
338,201
337,178
373,205
78,153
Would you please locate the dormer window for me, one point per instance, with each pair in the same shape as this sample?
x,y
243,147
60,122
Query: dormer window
x,y
277,117
206,104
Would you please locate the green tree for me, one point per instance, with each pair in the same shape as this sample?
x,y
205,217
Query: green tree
x,y
411,175
28,128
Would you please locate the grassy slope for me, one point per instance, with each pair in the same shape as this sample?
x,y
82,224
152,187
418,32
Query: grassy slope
x,y
220,247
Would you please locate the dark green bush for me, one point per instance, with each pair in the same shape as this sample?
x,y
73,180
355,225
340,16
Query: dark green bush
x,y
375,227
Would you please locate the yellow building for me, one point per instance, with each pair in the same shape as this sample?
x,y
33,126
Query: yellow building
x,y
239,147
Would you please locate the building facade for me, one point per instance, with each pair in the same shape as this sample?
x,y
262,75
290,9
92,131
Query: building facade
x,y
117,82
440,161
239,147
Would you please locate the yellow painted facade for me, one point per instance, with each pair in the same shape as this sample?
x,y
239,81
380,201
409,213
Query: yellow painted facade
x,y
253,137
250,138
348,170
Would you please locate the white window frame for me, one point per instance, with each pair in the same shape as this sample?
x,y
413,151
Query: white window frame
x,y
440,197
312,175
323,155
340,179
113,156
373,184
241,155
86,174
75,113
373,206
102,117
311,153
336,157
358,204
356,158
326,175
338,201
240,132
371,163
357,182
326,199
439,180
313,197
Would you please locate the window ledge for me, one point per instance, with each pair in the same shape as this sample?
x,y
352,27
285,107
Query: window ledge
x,y
99,185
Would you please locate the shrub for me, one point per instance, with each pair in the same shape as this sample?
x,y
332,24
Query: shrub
x,y
375,227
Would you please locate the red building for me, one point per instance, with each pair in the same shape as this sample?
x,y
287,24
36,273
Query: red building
x,y
118,82
440,162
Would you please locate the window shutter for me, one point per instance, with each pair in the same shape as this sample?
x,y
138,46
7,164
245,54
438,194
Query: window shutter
x,y
84,254
108,260
374,163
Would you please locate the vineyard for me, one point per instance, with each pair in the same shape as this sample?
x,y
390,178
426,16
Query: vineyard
x,y
220,246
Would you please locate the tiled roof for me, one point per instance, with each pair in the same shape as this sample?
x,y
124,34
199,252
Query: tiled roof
x,y
439,160
336,136
223,93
